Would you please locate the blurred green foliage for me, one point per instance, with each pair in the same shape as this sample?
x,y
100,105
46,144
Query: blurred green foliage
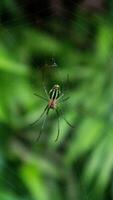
x,y
80,165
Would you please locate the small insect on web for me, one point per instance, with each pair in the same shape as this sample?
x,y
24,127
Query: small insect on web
x,y
54,97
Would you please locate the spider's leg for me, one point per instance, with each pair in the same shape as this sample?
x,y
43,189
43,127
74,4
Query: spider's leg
x,y
60,97
44,98
58,125
43,124
40,116
65,99
45,90
60,112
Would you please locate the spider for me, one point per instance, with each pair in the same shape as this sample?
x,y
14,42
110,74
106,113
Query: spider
x,y
54,97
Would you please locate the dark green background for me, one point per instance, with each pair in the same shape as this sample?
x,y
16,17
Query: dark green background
x,y
78,37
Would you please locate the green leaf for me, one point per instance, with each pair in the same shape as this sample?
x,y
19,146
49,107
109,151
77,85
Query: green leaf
x,y
87,135
35,182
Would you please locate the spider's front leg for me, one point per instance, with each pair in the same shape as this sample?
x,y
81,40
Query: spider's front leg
x,y
61,113
40,116
46,92
41,97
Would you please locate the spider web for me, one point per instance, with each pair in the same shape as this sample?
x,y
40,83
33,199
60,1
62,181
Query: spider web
x,y
17,23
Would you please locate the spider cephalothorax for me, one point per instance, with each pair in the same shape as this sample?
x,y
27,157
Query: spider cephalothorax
x,y
54,94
